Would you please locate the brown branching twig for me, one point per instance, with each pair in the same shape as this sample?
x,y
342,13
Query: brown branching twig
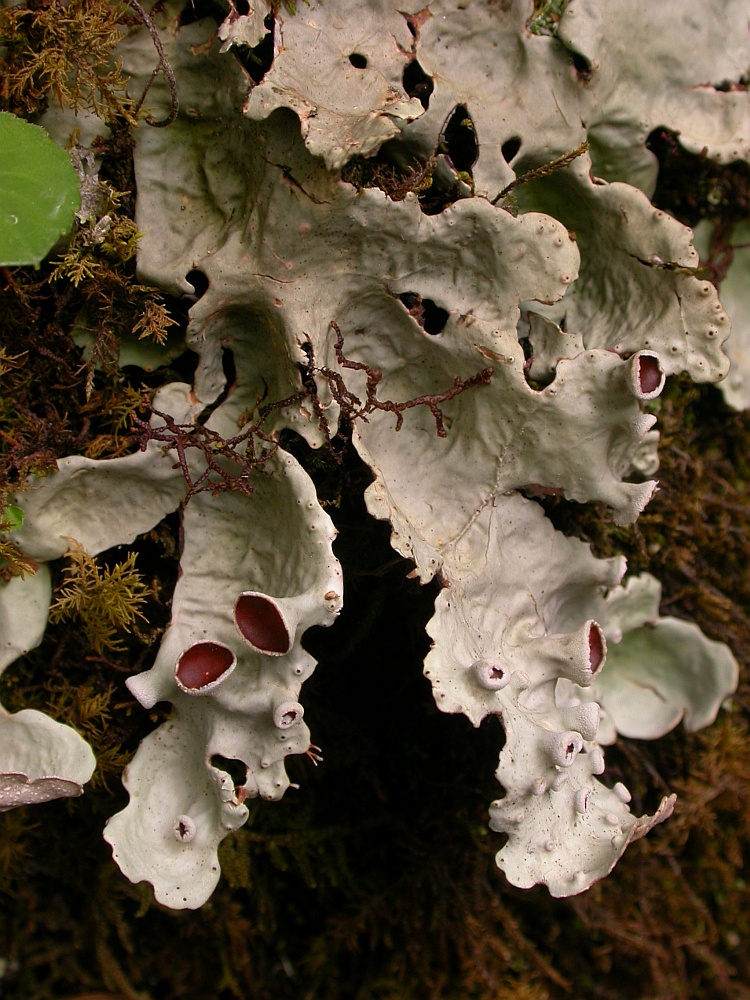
x,y
353,407
162,67
253,447
544,171
242,450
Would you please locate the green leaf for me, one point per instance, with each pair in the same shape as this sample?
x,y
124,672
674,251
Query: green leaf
x,y
39,192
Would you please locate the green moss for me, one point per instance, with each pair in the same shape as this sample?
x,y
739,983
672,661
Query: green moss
x,y
65,53
546,16
105,601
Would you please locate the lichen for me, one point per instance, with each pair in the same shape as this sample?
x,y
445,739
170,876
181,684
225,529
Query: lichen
x,y
402,305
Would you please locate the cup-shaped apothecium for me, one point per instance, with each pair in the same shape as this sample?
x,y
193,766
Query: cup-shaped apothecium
x,y
646,375
203,666
263,624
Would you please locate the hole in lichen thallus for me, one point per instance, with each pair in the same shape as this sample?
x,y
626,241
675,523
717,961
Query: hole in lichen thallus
x,y
510,148
261,623
417,83
358,61
693,186
528,360
199,281
236,769
582,67
430,316
459,140
257,61
179,307
229,369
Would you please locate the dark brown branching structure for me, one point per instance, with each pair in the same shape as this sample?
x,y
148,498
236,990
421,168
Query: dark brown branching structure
x,y
163,66
227,463
356,409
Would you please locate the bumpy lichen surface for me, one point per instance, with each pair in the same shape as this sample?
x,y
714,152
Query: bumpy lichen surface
x,y
320,290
